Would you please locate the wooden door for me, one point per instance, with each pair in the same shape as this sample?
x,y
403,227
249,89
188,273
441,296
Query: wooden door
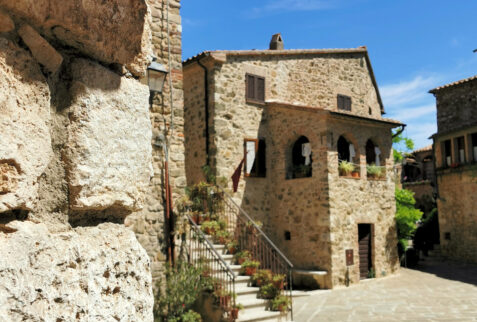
x,y
364,239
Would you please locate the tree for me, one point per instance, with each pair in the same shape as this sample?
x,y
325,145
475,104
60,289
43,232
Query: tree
x,y
401,146
406,215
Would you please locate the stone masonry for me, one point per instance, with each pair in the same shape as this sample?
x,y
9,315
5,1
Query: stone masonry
x,y
319,214
456,168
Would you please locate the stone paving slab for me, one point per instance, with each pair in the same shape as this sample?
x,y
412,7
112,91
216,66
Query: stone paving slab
x,y
436,291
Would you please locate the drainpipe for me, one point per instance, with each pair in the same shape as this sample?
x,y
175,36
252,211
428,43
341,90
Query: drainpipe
x,y
206,102
400,131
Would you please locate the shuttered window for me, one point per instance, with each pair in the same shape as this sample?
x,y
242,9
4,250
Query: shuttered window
x,y
344,102
255,88
255,164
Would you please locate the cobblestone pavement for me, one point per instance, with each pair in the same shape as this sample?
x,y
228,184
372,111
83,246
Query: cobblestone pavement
x,y
437,291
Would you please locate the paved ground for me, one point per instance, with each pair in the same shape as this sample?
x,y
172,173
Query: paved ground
x,y
437,291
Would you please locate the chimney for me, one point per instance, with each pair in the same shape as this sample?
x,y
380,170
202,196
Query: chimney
x,y
277,42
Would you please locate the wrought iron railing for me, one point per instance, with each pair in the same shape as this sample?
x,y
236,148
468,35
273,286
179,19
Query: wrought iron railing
x,y
202,253
251,237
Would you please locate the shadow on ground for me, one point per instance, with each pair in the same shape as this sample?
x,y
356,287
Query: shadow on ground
x,y
462,272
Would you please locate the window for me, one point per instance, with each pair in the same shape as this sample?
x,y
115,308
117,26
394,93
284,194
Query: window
x,y
344,102
301,166
255,165
446,153
474,146
346,158
255,88
460,149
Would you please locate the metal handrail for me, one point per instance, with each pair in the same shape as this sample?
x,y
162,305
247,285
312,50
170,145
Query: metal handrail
x,y
258,228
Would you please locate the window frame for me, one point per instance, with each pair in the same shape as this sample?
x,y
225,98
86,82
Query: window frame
x,y
345,100
259,165
255,98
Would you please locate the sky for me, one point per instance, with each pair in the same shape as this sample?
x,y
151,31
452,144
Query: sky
x,y
414,46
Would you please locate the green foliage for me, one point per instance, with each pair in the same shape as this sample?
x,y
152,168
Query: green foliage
x,y
371,273
374,170
191,316
210,227
244,255
401,146
261,277
269,291
280,303
345,167
174,298
406,214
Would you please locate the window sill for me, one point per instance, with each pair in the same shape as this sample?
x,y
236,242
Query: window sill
x,y
255,102
376,179
350,177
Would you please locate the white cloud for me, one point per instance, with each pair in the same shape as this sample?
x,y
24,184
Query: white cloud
x,y
408,91
291,5
407,114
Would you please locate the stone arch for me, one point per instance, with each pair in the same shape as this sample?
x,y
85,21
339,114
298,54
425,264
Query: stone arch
x,y
300,158
373,153
344,149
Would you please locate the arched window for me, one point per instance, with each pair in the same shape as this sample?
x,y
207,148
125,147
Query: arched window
x,y
346,158
301,158
373,153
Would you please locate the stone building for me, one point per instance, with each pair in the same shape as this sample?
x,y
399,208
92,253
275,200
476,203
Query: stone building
x,y
82,156
289,116
455,152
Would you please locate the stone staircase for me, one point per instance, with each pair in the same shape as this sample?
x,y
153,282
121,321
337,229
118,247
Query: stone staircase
x,y
254,309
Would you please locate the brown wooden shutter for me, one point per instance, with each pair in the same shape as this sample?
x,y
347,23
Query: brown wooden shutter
x,y
260,92
250,87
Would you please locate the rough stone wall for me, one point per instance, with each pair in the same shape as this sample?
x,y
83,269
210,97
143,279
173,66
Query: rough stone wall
x,y
74,157
456,106
148,224
300,206
457,216
362,201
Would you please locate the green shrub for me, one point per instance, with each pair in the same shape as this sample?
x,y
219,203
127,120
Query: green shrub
x,y
406,215
374,170
262,277
269,291
345,167
280,303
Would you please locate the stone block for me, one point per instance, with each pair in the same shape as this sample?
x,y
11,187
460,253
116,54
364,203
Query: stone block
x,y
109,31
6,23
109,145
87,274
43,52
25,148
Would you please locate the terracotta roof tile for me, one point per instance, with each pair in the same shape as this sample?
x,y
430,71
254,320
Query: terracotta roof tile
x,y
462,81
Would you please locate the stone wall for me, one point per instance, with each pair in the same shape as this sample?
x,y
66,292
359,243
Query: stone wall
x,y
75,156
457,218
167,120
303,207
456,106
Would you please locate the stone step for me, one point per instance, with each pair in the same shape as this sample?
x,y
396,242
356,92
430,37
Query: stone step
x,y
251,301
243,289
242,280
258,314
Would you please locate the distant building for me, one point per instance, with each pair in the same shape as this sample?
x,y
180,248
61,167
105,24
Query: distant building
x,y
455,151
290,117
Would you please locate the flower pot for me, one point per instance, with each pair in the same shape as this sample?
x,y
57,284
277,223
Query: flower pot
x,y
234,313
280,285
355,174
222,240
196,218
241,260
249,271
232,250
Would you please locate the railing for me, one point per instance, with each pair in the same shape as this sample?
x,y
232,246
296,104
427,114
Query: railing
x,y
202,253
251,237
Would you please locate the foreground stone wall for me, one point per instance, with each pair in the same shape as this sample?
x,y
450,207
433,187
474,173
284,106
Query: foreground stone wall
x,y
75,156
457,218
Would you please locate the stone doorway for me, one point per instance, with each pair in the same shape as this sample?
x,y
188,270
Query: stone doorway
x,y
364,241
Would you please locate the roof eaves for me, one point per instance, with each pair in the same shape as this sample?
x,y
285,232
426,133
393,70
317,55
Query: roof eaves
x,y
456,83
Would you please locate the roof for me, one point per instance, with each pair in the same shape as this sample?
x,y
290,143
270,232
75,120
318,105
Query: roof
x,y
287,52
424,149
333,113
459,82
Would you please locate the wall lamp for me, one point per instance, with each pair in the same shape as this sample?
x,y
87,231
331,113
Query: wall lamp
x,y
156,76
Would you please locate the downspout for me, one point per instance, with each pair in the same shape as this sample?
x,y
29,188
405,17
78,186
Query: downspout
x,y
403,126
206,102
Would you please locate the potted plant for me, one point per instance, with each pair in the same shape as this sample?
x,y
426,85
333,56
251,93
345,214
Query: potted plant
x,y
223,296
280,303
210,227
196,217
232,247
345,168
251,227
235,311
242,256
373,171
269,291
278,281
249,267
221,236
261,277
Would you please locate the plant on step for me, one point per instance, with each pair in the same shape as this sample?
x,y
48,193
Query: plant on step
x,y
242,256
234,311
374,171
222,224
251,226
222,237
261,277
278,281
176,293
345,168
280,303
210,227
223,297
269,291
232,247
249,267
371,273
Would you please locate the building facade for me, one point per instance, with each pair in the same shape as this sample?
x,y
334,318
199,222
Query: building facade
x,y
455,152
286,119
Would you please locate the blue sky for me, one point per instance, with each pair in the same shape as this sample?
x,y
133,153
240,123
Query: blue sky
x,y
414,45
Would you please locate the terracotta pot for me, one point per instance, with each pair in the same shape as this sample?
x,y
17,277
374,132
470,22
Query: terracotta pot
x,y
249,271
280,285
241,260
232,250
234,313
355,174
